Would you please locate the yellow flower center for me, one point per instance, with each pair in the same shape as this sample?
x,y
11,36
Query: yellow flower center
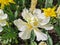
x,y
35,23
29,26
49,12
32,24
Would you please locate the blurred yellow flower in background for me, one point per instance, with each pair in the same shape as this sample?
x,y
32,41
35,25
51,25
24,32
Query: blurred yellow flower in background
x,y
5,2
49,12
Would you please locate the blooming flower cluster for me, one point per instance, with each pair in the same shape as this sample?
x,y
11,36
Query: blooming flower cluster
x,y
38,21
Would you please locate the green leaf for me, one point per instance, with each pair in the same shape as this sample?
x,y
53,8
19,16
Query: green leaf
x,y
49,3
33,43
57,29
32,35
16,14
49,41
40,3
11,16
58,43
58,2
16,41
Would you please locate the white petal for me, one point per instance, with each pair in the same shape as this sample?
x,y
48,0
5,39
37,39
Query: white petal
x,y
20,24
41,36
27,15
4,16
48,27
45,21
2,22
1,11
37,12
58,10
1,29
41,16
25,34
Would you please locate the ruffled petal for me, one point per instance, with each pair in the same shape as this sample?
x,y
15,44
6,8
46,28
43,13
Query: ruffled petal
x,y
37,13
20,24
41,17
48,27
27,15
4,16
2,22
40,36
25,34
45,21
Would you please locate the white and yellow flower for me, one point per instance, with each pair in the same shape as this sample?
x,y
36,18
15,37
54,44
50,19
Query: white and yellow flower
x,y
34,20
58,12
3,18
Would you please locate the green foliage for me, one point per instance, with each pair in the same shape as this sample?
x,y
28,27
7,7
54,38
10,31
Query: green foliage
x,y
49,41
32,35
33,43
58,44
57,27
41,3
10,33
58,2
49,3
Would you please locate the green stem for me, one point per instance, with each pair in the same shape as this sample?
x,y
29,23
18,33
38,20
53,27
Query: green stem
x,y
23,3
26,43
48,3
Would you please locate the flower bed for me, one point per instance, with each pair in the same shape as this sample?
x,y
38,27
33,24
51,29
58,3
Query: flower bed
x,y
29,22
